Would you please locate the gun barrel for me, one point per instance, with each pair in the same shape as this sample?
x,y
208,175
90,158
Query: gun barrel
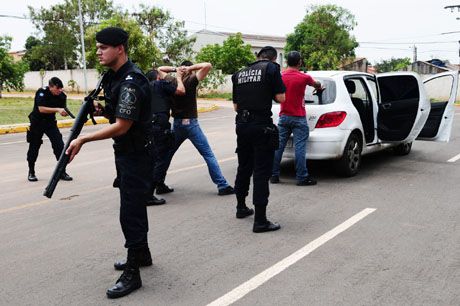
x,y
77,126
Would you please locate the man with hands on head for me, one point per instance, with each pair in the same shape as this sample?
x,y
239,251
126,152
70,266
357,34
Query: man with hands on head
x,y
162,91
186,126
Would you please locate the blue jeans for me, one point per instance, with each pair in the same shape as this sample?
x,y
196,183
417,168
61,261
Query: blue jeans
x,y
298,126
194,133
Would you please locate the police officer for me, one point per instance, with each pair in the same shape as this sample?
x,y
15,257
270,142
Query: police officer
x,y
127,105
48,101
254,87
162,91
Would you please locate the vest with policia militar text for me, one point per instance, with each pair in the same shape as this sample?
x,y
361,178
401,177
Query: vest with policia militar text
x,y
252,88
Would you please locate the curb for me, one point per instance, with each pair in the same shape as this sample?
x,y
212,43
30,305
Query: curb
x,y
23,127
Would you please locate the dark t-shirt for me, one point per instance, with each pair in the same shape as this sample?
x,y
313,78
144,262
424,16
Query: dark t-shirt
x,y
255,86
44,97
162,91
185,107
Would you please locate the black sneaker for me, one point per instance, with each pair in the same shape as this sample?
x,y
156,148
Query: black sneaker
x,y
155,201
266,226
31,177
244,212
66,177
309,181
162,188
129,281
274,179
226,191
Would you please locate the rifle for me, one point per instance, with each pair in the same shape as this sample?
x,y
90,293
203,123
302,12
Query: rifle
x,y
86,109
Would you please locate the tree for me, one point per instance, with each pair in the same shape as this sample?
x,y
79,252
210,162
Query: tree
x,y
226,59
394,64
141,49
323,37
168,34
11,73
59,26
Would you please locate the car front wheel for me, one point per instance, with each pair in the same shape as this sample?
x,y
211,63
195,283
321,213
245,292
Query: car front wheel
x,y
349,163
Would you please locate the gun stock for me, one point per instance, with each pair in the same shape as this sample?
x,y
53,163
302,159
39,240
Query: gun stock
x,y
86,110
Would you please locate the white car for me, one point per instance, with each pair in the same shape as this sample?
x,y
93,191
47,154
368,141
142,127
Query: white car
x,y
360,113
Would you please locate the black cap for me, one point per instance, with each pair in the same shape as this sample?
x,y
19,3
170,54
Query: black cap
x,y
55,81
112,36
266,48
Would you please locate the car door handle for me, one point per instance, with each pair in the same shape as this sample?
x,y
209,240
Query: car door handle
x,y
386,106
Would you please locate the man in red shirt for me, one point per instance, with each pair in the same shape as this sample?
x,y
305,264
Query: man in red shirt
x,y
293,119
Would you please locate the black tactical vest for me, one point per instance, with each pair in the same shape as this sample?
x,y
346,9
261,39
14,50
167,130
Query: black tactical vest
x,y
138,134
159,102
252,88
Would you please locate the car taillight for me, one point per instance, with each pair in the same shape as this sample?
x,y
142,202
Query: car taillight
x,y
331,119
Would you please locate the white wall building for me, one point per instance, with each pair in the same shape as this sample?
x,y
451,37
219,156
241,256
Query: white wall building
x,y
257,42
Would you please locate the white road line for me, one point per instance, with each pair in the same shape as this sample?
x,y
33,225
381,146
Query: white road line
x,y
454,159
280,266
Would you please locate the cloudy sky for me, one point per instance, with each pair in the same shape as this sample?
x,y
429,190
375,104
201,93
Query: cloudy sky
x,y
385,29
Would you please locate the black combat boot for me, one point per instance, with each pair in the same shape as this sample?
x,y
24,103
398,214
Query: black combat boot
x,y
31,177
144,259
129,280
242,211
162,188
261,223
155,201
66,177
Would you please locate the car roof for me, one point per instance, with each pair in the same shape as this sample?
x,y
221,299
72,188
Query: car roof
x,y
334,73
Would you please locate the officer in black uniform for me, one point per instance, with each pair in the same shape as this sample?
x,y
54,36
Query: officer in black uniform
x,y
127,105
49,100
162,91
254,88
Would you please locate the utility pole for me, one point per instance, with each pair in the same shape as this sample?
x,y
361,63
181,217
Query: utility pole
x,y
205,21
415,54
452,8
82,36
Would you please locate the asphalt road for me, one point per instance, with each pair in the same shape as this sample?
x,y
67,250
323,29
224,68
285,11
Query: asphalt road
x,y
405,252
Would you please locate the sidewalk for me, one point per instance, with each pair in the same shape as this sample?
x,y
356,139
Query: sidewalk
x,y
203,107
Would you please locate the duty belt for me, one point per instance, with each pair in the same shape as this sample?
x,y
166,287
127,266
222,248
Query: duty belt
x,y
245,116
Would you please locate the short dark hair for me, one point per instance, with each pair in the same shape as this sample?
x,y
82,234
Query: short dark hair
x,y
186,63
55,81
268,52
152,75
293,58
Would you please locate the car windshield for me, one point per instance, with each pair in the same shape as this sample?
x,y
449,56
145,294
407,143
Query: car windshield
x,y
326,97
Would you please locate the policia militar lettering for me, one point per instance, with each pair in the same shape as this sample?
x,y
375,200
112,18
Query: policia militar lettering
x,y
127,106
48,101
254,88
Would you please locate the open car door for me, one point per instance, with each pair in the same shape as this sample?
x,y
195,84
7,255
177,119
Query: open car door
x,y
403,107
441,90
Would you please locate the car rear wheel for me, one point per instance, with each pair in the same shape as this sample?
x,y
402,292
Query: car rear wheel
x,y
403,149
349,164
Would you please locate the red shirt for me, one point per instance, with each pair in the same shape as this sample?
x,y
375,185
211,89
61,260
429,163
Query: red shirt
x,y
295,82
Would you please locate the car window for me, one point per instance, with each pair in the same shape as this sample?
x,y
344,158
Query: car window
x,y
439,89
398,88
326,97
373,87
359,90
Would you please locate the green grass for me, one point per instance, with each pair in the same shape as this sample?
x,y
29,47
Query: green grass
x,y
216,95
16,110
